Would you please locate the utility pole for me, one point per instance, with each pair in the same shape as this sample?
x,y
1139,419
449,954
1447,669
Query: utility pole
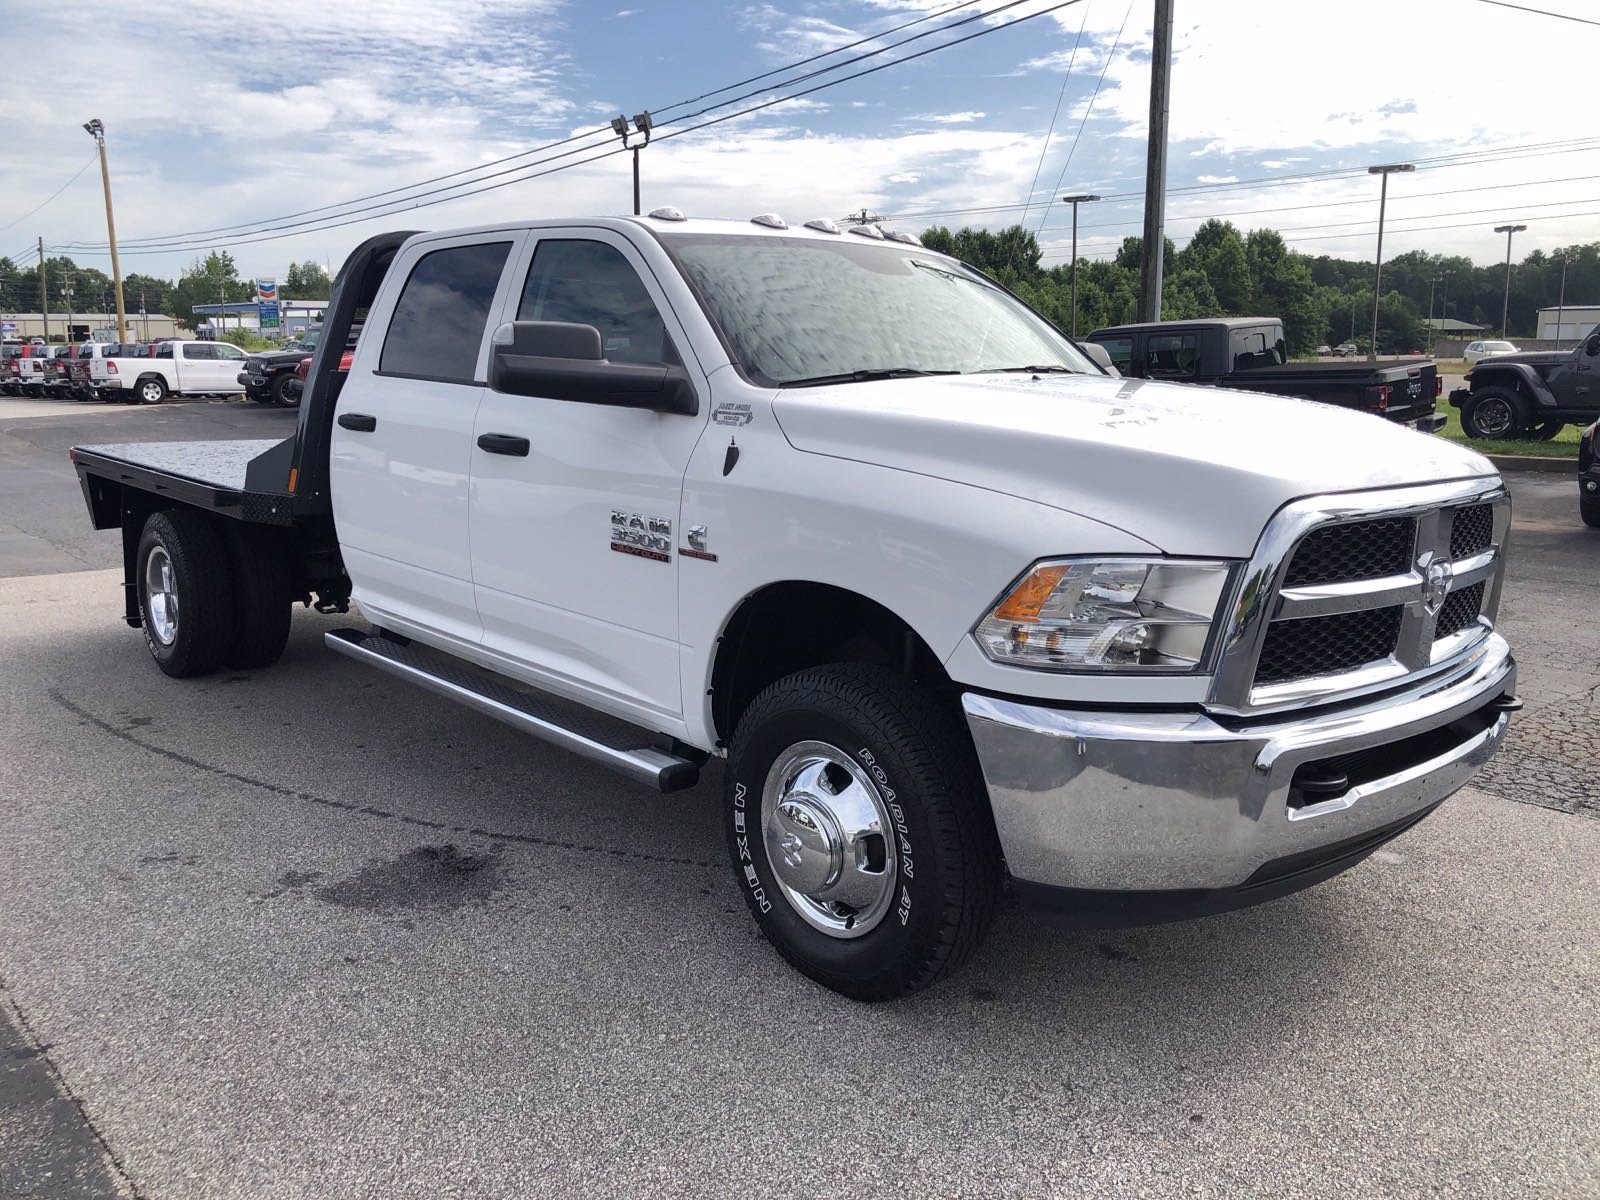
x,y
1377,279
1505,307
1561,302
1075,201
97,130
1155,174
44,292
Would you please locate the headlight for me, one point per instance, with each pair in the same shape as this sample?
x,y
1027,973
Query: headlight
x,y
1113,614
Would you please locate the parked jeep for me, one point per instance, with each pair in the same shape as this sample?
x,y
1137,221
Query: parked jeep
x,y
270,378
1589,476
1533,394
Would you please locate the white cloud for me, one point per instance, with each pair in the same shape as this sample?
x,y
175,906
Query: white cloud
x,y
954,118
1218,179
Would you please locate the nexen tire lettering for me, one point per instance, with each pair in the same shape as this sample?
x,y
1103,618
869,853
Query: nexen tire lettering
x,y
743,842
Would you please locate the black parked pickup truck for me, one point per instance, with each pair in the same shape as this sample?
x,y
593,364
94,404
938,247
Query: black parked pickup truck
x,y
1532,395
270,379
1249,353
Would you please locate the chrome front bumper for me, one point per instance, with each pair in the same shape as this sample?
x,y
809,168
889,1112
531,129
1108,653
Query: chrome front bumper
x,y
1165,801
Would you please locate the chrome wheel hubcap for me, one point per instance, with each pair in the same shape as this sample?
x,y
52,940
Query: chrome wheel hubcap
x,y
161,596
1494,416
151,393
828,837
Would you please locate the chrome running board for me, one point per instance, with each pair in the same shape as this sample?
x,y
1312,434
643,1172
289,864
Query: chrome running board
x,y
592,735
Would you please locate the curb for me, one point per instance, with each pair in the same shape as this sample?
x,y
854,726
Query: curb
x,y
1527,462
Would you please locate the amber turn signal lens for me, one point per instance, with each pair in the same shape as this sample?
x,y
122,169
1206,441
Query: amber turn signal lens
x,y
1029,596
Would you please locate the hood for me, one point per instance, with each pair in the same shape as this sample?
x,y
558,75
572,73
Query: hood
x,y
274,358
1534,358
1193,470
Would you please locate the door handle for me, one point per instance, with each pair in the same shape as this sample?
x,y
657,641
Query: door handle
x,y
504,443
359,422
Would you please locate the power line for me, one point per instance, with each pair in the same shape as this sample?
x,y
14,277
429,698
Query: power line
x,y
857,58
265,224
285,231
1503,154
1044,147
816,57
93,158
1099,83
1542,12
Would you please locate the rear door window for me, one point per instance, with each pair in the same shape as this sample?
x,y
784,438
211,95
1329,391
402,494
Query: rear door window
x,y
437,328
1172,355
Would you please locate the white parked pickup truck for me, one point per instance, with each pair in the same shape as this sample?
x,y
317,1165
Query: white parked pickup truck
x,y
175,368
954,606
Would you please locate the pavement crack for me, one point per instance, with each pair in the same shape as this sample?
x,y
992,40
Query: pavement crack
x,y
365,810
41,1050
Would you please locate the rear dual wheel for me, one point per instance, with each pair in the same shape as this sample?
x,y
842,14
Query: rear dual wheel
x,y
206,599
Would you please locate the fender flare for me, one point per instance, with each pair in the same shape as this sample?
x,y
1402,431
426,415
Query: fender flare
x,y
1521,376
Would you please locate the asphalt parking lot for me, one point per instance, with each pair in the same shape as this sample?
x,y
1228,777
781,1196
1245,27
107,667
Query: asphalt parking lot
x,y
309,932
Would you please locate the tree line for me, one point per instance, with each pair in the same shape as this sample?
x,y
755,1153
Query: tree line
x,y
89,292
1321,300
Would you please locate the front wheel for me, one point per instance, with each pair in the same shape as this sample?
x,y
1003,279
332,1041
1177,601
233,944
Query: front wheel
x,y
860,830
151,391
284,393
1494,412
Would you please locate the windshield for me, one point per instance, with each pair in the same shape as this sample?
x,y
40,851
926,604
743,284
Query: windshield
x,y
797,309
307,340
1498,346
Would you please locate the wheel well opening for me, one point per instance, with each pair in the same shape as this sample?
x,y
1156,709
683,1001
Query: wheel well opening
x,y
787,627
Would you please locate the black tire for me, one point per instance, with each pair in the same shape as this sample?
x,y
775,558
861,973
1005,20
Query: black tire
x,y
284,395
260,397
922,764
150,391
1589,510
1546,430
262,606
1494,413
202,582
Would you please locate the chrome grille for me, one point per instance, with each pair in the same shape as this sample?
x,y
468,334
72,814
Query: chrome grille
x,y
1347,594
1355,550
1460,610
1471,530
1322,645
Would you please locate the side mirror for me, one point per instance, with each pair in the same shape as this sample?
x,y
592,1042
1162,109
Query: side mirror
x,y
561,361
1102,357
1592,346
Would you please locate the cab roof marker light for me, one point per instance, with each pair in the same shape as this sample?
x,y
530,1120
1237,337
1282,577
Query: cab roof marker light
x,y
823,225
667,213
769,220
867,231
894,235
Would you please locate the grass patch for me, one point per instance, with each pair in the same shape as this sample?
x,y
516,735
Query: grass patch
x,y
1564,444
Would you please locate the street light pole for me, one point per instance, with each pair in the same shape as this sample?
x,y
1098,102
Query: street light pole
x,y
1505,307
97,130
1084,198
1384,171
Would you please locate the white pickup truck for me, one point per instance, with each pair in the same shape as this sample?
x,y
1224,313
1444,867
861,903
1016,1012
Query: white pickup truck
x,y
175,368
953,605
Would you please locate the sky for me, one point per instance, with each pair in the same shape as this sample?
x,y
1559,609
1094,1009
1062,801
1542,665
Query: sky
x,y
231,119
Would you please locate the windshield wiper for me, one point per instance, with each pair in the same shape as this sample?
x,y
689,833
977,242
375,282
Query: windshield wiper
x,y
1041,370
865,376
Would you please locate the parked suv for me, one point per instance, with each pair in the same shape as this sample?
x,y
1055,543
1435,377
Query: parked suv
x,y
269,378
1534,395
1589,476
1478,351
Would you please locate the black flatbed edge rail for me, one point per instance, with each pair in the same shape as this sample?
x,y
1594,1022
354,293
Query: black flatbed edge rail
x,y
268,491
